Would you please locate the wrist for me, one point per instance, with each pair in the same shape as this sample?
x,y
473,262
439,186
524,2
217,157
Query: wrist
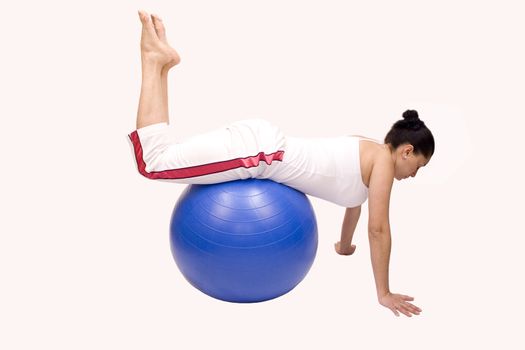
x,y
345,243
382,293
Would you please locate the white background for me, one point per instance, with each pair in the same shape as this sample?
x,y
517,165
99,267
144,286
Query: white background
x,y
84,248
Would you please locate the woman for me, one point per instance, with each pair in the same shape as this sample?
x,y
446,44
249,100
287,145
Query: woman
x,y
345,170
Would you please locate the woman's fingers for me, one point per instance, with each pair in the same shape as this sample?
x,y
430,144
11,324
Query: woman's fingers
x,y
394,311
405,307
409,309
398,304
413,307
344,251
405,311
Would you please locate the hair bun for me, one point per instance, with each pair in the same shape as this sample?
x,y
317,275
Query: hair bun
x,y
410,115
410,121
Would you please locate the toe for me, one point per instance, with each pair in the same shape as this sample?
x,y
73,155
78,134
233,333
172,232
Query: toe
x,y
147,24
159,27
142,15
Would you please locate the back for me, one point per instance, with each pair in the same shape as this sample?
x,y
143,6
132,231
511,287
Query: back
x,y
324,167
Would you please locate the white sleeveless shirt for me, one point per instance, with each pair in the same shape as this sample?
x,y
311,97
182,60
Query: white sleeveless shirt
x,y
325,167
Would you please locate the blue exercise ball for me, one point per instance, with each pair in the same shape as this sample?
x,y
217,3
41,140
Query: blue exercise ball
x,y
243,241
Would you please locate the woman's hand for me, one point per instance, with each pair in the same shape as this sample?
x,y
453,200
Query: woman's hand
x,y
347,250
399,303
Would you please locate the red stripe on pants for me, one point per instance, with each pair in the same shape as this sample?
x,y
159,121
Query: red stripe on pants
x,y
200,170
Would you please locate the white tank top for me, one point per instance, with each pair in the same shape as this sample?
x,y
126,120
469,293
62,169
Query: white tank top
x,y
327,167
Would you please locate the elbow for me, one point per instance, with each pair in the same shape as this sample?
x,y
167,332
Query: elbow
x,y
379,236
376,234
378,231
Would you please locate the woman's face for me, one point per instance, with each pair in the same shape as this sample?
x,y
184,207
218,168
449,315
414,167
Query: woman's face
x,y
407,162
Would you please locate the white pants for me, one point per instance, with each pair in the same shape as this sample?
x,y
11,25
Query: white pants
x,y
250,148
327,167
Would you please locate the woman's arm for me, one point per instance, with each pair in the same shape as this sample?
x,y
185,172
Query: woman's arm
x,y
380,188
345,246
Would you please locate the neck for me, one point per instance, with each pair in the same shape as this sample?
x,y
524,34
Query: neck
x,y
392,152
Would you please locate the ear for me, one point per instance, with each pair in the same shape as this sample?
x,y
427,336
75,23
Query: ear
x,y
407,149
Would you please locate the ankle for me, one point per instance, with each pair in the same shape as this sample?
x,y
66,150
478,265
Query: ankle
x,y
165,70
150,61
150,69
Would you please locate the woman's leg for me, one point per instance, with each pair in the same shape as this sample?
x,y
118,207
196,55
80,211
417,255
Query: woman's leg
x,y
229,153
239,150
157,59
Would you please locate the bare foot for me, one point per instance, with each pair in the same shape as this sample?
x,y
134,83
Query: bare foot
x,y
161,33
153,43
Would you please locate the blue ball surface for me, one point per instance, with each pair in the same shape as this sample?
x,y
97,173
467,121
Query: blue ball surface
x,y
243,241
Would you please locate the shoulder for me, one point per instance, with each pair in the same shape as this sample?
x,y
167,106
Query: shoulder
x,y
382,161
380,187
373,156
382,174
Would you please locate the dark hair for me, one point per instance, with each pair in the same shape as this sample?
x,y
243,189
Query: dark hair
x,y
411,130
